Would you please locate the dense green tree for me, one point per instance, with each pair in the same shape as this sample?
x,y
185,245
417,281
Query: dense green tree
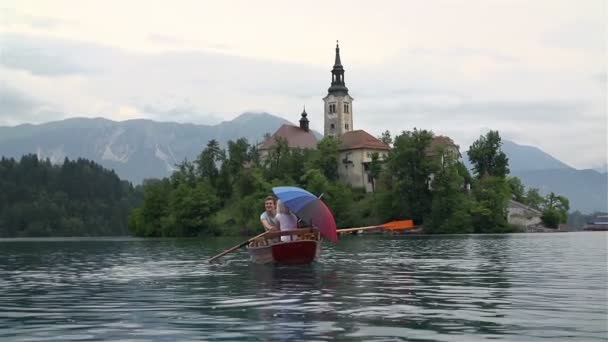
x,y
533,199
411,169
208,159
487,157
517,189
325,158
386,138
555,210
451,206
237,156
277,159
190,210
489,209
375,167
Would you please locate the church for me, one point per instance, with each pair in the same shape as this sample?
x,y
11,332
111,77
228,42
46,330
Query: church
x,y
356,146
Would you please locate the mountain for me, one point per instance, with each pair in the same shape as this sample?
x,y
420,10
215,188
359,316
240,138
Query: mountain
x,y
135,149
587,190
601,168
527,158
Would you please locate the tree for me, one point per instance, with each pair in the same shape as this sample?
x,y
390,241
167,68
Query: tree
x,y
533,199
277,158
375,167
409,166
517,189
490,206
237,156
555,210
386,138
326,158
207,161
487,157
190,210
450,209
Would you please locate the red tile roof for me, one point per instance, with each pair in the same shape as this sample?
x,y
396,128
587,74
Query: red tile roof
x,y
441,141
296,138
361,139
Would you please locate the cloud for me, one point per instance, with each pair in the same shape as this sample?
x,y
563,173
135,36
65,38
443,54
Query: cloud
x,y
579,36
53,57
204,86
463,53
11,17
16,107
179,113
453,109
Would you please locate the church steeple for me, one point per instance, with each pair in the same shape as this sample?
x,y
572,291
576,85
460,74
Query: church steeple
x,y
304,120
337,75
338,103
338,62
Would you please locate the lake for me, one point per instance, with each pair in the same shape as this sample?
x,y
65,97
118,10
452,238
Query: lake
x,y
516,287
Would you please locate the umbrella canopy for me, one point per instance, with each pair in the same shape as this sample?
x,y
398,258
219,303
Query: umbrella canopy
x,y
309,208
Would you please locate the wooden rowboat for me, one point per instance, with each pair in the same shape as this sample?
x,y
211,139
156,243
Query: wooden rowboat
x,y
304,247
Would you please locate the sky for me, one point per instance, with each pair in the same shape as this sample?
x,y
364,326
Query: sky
x,y
536,71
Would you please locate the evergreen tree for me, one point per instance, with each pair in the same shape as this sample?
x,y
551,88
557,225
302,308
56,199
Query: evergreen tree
x,y
487,157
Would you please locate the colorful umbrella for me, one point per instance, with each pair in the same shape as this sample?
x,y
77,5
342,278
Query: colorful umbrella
x,y
309,208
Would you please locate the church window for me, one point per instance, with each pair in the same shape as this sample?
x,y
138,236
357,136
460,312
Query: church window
x,y
346,126
346,109
332,108
332,127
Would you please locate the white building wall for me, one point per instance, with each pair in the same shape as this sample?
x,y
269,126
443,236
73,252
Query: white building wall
x,y
354,173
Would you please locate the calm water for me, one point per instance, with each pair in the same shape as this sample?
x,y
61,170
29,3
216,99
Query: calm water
x,y
523,287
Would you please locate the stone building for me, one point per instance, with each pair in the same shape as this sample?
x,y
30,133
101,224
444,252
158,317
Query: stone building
x,y
356,150
522,215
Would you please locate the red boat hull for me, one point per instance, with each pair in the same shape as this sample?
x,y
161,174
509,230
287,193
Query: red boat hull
x,y
291,253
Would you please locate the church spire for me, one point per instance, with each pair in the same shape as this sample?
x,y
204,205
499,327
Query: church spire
x,y
337,75
304,120
338,62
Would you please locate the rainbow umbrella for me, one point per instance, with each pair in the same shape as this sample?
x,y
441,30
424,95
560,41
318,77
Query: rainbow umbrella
x,y
310,208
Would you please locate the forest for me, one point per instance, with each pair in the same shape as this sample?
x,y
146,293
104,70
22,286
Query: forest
x,y
77,198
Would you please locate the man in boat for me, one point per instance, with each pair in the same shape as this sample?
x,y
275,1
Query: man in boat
x,y
268,217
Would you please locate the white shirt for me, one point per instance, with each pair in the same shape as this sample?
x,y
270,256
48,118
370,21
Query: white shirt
x,y
287,222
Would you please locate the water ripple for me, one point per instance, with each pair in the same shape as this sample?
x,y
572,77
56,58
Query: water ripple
x,y
526,287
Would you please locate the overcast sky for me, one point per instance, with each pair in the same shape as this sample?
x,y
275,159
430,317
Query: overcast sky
x,y
536,71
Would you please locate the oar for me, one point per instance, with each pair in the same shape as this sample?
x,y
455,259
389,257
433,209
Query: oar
x,y
237,246
403,224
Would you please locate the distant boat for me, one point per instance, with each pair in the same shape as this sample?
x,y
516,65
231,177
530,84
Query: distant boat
x,y
304,247
600,223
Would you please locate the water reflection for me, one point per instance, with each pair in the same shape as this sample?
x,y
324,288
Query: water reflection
x,y
513,287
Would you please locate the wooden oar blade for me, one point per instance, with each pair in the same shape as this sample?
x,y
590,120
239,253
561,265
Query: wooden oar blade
x,y
399,225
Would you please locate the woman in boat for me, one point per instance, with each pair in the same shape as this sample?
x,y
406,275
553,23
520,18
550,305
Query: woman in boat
x,y
268,217
286,220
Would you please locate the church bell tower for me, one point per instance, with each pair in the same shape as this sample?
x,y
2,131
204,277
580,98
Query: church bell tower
x,y
338,104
